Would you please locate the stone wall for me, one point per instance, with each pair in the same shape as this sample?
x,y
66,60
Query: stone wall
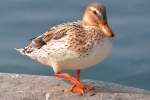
x,y
32,87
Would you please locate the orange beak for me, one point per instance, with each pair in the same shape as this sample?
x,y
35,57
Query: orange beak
x,y
106,29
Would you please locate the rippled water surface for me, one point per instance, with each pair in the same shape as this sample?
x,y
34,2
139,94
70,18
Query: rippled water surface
x,y
129,61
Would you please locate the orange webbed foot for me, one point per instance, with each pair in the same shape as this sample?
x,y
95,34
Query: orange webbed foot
x,y
77,87
81,89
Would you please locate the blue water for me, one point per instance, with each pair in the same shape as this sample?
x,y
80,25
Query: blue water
x,y
129,61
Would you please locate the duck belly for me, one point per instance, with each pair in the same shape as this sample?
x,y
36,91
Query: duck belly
x,y
94,56
59,57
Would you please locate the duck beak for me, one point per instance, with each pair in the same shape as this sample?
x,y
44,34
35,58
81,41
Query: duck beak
x,y
106,29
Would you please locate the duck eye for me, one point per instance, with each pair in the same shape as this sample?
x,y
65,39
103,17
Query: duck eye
x,y
95,12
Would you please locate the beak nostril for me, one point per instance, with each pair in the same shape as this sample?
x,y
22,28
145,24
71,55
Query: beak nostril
x,y
112,35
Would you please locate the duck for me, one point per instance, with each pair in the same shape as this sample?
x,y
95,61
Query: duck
x,y
74,45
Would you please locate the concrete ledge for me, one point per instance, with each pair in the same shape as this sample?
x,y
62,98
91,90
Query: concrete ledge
x,y
31,87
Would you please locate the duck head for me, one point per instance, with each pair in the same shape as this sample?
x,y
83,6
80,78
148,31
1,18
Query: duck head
x,y
95,15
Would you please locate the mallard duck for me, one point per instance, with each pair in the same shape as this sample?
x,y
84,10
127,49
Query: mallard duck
x,y
74,45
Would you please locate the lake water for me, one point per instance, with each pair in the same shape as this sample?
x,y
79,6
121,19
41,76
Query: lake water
x,y
129,61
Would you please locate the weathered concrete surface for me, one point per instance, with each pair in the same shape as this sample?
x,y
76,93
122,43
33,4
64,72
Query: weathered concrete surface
x,y
30,87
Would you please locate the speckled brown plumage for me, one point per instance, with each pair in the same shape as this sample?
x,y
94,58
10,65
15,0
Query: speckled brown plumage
x,y
81,39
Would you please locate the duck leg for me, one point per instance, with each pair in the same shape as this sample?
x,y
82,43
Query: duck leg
x,y
77,87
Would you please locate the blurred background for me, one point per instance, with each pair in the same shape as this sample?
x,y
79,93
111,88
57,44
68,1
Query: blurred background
x,y
129,61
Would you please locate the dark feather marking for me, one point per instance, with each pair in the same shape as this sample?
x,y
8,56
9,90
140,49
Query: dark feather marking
x,y
37,42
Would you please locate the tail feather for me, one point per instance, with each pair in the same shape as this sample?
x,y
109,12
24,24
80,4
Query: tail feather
x,y
35,43
21,50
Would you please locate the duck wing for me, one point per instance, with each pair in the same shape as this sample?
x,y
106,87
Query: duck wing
x,y
53,33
